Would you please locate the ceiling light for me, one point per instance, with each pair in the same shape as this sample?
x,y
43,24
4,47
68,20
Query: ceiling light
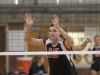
x,y
16,2
57,1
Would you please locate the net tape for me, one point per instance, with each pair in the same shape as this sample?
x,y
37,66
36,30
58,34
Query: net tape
x,y
49,53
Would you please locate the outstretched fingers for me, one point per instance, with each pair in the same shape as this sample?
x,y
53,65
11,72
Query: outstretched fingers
x,y
52,21
55,17
29,15
89,40
33,19
25,17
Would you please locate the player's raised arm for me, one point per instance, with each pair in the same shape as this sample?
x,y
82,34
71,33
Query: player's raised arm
x,y
32,41
66,36
82,46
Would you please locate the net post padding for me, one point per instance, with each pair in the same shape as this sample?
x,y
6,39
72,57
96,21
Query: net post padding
x,y
49,53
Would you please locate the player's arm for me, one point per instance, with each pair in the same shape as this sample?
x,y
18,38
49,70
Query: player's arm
x,y
66,36
32,41
87,60
77,58
82,46
68,39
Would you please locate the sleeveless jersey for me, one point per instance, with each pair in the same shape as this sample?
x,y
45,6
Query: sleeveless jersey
x,y
96,58
59,64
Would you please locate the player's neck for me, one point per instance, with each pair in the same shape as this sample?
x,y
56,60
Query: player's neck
x,y
55,41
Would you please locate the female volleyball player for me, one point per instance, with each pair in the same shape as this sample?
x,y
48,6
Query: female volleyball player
x,y
59,64
95,63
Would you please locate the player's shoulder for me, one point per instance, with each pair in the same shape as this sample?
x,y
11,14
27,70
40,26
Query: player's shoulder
x,y
46,41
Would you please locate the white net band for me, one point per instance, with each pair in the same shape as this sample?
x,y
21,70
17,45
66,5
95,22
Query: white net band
x,y
49,53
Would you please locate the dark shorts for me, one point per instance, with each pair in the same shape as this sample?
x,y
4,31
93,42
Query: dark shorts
x,y
74,69
95,67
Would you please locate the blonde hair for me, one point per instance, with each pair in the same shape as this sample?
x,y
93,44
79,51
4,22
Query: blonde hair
x,y
96,36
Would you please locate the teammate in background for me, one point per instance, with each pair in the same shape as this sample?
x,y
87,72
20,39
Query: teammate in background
x,y
37,67
95,63
59,64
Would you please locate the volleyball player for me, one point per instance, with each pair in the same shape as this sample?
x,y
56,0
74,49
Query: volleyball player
x,y
95,63
59,64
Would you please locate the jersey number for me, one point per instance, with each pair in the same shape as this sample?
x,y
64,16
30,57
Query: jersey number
x,y
53,56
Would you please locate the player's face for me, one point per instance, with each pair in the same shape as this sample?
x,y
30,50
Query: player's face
x,y
97,41
42,60
54,33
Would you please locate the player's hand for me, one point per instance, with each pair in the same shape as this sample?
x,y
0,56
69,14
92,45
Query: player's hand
x,y
88,40
28,19
55,21
91,62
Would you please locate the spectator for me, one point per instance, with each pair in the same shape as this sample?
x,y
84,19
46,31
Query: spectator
x,y
37,67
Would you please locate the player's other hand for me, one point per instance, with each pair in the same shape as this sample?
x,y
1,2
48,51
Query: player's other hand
x,y
88,40
55,21
28,19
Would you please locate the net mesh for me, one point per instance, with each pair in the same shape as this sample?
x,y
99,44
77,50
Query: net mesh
x,y
80,18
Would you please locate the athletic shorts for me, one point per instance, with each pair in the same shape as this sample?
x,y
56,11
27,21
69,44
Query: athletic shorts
x,y
95,67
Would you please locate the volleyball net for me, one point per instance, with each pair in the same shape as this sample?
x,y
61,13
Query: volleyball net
x,y
49,53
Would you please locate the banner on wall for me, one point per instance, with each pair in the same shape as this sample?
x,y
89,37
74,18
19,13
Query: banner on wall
x,y
16,40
